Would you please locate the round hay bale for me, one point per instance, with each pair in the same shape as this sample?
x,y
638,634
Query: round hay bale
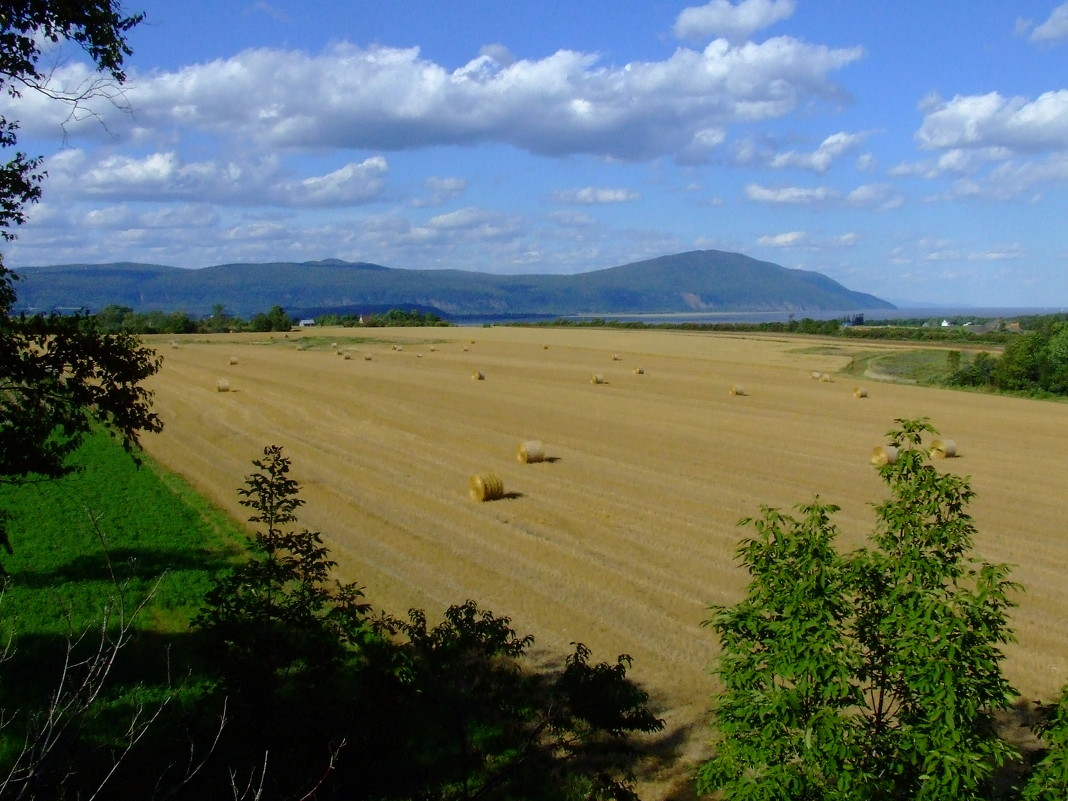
x,y
943,449
233,360
827,378
639,371
486,487
860,392
222,385
883,454
347,356
477,375
367,357
472,342
596,378
815,375
544,347
419,355
530,451
333,345
433,349
737,389
616,357
464,348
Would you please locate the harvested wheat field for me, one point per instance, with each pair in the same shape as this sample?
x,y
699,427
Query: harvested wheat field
x,y
624,532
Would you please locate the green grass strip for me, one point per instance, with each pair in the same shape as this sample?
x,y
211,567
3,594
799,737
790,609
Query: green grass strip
x,y
110,525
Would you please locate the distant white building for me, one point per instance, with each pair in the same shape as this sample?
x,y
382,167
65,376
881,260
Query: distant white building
x,y
307,323
945,323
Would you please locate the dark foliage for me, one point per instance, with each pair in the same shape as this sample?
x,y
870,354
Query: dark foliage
x,y
356,704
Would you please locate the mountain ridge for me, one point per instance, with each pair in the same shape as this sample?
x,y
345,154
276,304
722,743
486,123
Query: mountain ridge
x,y
695,281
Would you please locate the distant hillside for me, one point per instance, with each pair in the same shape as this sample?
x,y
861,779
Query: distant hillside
x,y
699,281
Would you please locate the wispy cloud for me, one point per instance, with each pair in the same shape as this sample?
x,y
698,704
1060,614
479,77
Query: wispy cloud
x,y
1054,29
821,159
790,195
592,195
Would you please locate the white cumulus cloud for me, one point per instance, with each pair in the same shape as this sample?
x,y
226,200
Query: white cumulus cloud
x,y
349,185
823,157
166,176
722,18
992,120
387,99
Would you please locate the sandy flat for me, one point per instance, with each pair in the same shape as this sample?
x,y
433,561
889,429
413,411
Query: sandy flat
x,y
626,534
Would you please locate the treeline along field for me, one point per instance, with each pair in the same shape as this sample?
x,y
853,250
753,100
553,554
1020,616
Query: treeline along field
x,y
627,531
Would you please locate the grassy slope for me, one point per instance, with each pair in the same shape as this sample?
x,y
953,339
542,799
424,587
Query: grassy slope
x,y
110,530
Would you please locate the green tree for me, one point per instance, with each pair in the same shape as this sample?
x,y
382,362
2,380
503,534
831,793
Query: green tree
x,y
1049,779
789,666
59,376
283,642
443,711
872,675
219,321
952,360
1019,367
473,723
278,618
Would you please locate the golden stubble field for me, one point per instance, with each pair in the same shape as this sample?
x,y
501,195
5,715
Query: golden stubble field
x,y
627,533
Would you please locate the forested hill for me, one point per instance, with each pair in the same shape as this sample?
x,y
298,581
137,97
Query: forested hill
x,y
698,281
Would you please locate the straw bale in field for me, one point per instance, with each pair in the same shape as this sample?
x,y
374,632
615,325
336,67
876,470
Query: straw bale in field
x,y
815,375
486,487
367,357
477,375
860,392
639,371
943,449
883,454
464,348
827,378
616,357
530,451
348,356
333,345
737,389
222,385
596,378
233,360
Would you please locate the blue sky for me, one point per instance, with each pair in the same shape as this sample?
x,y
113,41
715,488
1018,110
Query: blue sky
x,y
914,150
